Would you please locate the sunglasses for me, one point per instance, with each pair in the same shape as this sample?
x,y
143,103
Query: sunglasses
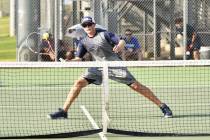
x,y
87,25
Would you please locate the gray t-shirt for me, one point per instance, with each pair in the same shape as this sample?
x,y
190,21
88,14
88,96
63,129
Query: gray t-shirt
x,y
100,46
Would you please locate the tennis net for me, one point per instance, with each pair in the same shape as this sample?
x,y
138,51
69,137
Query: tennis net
x,y
30,91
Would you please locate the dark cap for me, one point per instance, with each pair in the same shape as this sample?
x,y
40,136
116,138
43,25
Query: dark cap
x,y
178,20
87,19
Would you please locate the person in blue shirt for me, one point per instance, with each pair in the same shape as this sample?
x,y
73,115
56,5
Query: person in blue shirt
x,y
132,49
104,46
193,44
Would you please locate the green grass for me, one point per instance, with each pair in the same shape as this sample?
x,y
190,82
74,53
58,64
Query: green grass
x,y
7,43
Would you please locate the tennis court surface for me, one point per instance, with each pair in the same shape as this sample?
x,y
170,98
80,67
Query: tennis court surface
x,y
30,91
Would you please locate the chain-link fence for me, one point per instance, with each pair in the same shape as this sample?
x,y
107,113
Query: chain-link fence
x,y
151,22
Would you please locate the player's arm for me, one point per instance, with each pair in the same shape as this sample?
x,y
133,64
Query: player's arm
x,y
120,46
81,51
119,43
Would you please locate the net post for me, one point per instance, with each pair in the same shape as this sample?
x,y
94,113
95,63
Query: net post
x,y
185,22
105,96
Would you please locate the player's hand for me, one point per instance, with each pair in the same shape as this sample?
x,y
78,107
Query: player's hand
x,y
117,49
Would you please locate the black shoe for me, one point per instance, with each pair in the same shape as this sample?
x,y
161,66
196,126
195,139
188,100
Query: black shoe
x,y
60,114
166,111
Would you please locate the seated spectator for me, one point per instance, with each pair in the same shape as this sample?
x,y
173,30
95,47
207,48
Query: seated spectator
x,y
47,49
132,49
65,51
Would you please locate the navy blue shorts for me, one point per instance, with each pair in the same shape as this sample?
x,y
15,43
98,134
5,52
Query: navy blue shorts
x,y
119,74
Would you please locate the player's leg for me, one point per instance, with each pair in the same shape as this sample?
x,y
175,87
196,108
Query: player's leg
x,y
73,94
196,52
146,92
122,75
91,76
196,48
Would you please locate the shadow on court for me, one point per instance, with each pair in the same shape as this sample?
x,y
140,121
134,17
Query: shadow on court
x,y
191,115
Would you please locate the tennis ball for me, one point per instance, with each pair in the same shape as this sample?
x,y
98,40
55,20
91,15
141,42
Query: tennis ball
x,y
45,36
179,36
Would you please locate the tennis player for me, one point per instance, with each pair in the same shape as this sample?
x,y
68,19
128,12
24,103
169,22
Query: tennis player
x,y
104,46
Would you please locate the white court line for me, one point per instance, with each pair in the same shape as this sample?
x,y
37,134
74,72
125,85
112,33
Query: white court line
x,y
90,118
